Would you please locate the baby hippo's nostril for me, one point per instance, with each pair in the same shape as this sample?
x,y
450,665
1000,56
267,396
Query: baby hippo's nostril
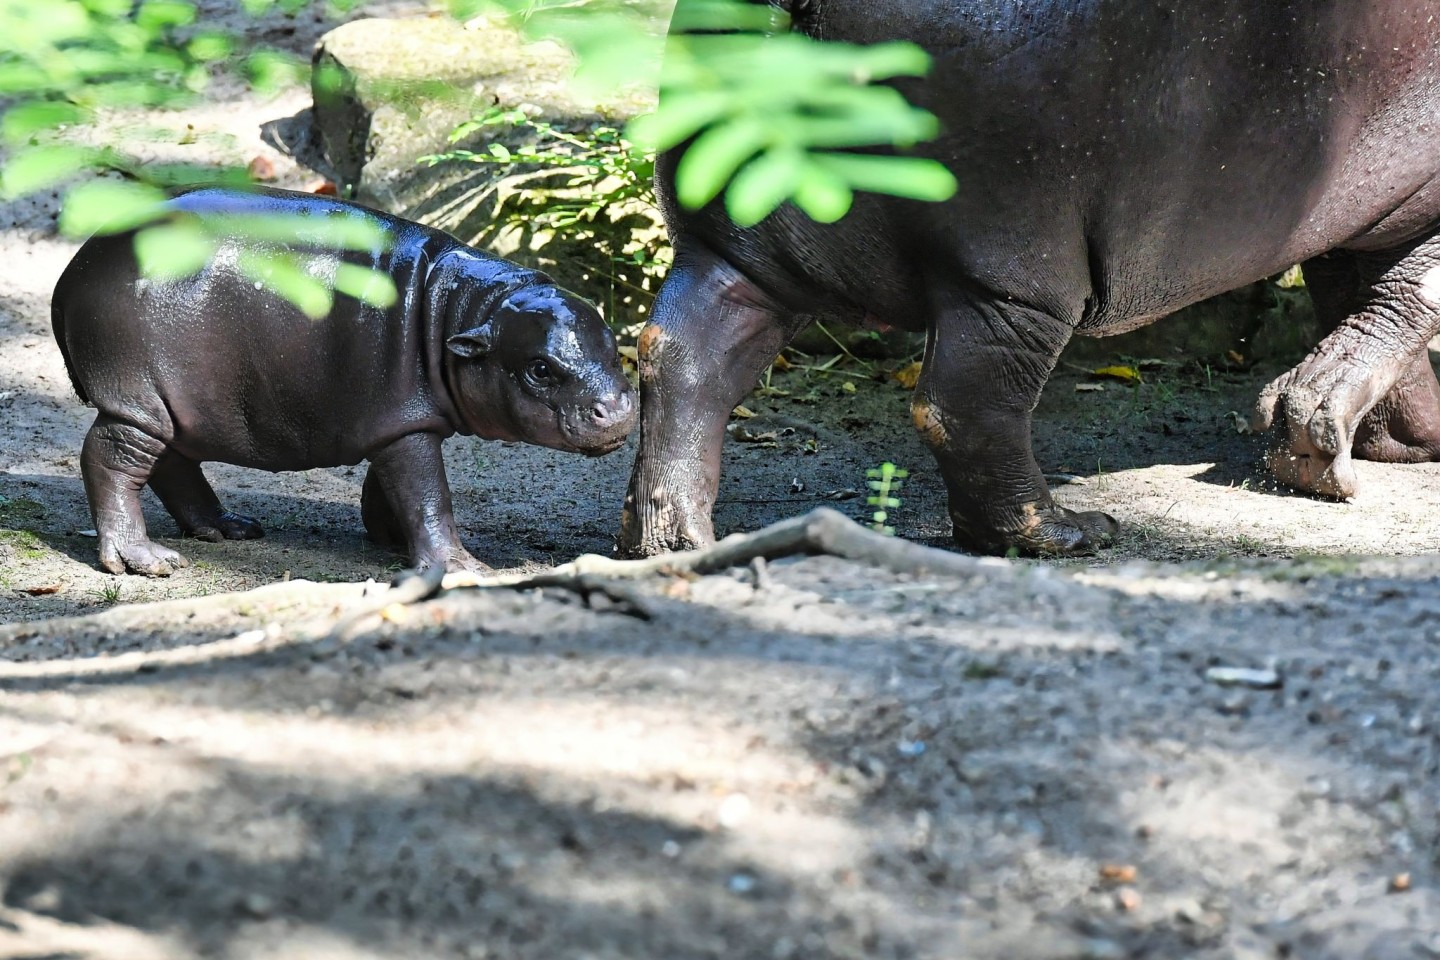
x,y
613,409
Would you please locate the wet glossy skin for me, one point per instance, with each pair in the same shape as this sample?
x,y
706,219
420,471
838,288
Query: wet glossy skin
x,y
1117,160
212,368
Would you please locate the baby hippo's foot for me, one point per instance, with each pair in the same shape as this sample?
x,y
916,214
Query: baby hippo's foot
x,y
145,557
1046,531
226,526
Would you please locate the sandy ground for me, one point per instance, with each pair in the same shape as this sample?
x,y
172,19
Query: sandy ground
x,y
832,762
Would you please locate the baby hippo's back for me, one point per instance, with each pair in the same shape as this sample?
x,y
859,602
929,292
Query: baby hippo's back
x,y
219,367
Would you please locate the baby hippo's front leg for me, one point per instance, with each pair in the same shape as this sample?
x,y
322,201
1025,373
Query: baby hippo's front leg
x,y
414,500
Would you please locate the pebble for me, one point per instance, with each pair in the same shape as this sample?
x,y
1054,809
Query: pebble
x,y
1103,950
741,883
1244,677
734,810
257,905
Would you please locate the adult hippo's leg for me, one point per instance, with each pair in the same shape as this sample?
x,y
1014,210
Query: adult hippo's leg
x,y
1368,388
382,527
116,461
986,362
411,474
712,334
187,495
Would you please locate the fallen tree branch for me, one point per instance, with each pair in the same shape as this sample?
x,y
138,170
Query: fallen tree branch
x,y
821,531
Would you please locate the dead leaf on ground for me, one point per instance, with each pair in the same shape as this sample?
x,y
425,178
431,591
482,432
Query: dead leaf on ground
x,y
261,168
745,434
1118,872
324,188
43,590
781,363
1118,372
742,412
908,375
1089,387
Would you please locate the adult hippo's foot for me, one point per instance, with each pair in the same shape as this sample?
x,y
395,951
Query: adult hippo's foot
x,y
189,498
986,361
712,334
1368,390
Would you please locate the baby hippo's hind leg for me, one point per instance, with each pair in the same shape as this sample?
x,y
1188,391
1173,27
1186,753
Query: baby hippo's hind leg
x,y
116,461
182,488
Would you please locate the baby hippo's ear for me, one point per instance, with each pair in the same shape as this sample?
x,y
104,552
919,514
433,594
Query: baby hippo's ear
x,y
473,344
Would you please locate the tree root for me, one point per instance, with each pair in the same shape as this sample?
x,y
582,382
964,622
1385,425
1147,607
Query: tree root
x,y
821,531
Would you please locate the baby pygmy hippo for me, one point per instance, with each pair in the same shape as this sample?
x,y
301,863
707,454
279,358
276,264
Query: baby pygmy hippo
x,y
218,367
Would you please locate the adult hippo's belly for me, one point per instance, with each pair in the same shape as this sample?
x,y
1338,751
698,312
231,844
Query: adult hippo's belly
x,y
1117,160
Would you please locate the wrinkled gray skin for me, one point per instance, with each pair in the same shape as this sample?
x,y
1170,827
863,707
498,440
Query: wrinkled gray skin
x,y
1117,160
212,368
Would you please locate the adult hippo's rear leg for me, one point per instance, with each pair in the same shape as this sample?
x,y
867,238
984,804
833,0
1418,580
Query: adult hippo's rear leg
x,y
187,495
986,361
1368,389
712,335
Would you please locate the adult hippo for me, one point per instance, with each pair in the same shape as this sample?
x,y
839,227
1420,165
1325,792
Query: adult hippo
x,y
1117,160
218,366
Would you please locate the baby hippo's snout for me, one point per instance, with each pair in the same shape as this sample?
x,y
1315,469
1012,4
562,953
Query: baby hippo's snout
x,y
616,410
610,419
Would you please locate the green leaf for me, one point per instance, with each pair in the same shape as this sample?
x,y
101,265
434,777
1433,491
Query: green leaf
x,y
500,152
897,58
709,163
366,285
915,178
763,184
282,274
17,77
109,8
24,120
678,118
42,167
109,206
157,15
210,46
823,195
342,231
173,250
705,15
270,71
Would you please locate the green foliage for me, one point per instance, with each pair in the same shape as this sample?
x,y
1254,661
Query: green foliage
x,y
766,115
588,187
884,480
769,115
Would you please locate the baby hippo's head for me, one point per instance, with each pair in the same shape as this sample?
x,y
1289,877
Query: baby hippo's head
x,y
543,368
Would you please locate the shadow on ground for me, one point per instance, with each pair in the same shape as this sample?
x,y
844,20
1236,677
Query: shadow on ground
x,y
928,766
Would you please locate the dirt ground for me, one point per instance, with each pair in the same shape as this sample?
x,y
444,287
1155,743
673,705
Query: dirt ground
x,y
821,760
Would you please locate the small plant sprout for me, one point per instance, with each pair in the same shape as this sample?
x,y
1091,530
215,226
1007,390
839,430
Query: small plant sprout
x,y
884,480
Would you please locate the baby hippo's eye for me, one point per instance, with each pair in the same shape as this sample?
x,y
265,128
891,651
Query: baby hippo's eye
x,y
539,371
